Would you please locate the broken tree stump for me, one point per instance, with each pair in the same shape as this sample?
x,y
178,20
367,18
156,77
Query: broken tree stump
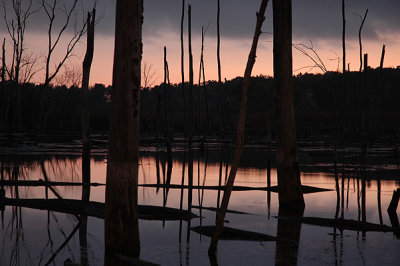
x,y
394,202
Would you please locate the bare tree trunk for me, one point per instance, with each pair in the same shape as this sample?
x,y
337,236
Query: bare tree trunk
x,y
382,57
85,122
359,37
183,71
221,96
202,73
218,44
3,60
87,63
190,73
289,184
240,130
167,113
5,102
121,217
344,35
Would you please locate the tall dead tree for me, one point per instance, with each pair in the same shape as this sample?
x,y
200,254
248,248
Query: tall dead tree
x,y
183,70
20,12
121,216
167,112
202,75
5,102
190,73
289,184
85,121
3,62
359,37
87,63
240,130
344,35
221,96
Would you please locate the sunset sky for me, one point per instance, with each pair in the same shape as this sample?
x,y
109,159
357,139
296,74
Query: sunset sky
x,y
315,20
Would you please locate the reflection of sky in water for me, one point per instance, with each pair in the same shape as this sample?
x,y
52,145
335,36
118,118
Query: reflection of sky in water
x,y
41,233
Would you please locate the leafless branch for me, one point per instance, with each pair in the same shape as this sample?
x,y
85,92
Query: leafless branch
x,y
312,54
50,7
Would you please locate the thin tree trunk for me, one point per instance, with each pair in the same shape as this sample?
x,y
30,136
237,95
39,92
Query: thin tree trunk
x,y
202,73
289,184
221,96
121,217
359,37
382,57
87,63
3,60
190,73
167,113
240,130
5,102
344,81
344,35
183,71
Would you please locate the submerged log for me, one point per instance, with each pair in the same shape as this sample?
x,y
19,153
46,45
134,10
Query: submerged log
x,y
229,233
97,209
41,183
343,224
306,189
215,209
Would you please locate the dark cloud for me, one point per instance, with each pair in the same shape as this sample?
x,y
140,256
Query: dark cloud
x,y
312,19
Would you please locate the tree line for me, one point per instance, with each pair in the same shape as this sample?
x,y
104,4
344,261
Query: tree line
x,y
313,95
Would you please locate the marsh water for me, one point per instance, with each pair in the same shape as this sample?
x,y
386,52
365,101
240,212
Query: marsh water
x,y
366,182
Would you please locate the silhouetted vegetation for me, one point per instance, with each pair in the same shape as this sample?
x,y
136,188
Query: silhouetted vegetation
x,y
313,102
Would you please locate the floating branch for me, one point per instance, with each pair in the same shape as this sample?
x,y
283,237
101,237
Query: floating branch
x,y
97,209
229,233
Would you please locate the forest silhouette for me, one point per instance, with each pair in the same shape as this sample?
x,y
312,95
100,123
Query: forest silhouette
x,y
314,96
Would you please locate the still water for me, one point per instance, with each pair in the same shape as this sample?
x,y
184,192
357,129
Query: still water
x,y
40,237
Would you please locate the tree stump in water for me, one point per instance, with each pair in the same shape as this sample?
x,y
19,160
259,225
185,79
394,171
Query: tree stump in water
x,y
394,202
2,202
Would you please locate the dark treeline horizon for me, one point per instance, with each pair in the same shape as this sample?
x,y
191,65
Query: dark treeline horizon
x,y
371,103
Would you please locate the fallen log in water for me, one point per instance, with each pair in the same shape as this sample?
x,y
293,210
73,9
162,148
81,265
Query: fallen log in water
x,y
306,189
343,224
215,209
229,233
97,209
41,183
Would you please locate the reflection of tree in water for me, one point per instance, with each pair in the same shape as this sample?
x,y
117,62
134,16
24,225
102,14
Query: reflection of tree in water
x,y
288,236
23,168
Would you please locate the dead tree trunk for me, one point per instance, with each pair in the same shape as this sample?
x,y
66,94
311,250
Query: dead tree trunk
x,y
203,82
289,184
87,63
167,113
382,57
121,217
5,102
190,73
344,35
240,130
221,97
183,71
3,61
359,37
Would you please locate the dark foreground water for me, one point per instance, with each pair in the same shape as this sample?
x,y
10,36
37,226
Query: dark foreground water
x,y
39,237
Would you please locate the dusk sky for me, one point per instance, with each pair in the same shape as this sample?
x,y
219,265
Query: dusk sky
x,y
318,21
